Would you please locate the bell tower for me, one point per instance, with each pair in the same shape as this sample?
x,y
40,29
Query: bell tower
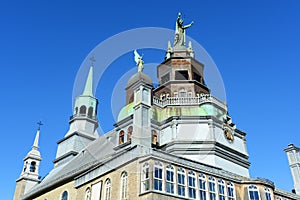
x,y
83,124
30,173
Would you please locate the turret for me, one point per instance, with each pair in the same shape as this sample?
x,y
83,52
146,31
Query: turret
x,y
294,162
30,173
83,124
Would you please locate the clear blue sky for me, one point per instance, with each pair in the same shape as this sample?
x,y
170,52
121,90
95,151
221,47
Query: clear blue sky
x,y
255,45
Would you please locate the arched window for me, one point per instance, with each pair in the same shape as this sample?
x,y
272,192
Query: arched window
x,y
175,94
121,137
82,110
154,137
170,179
202,186
124,177
230,191
181,182
76,110
88,194
32,166
253,192
158,176
192,184
107,189
221,188
90,112
268,193
212,188
145,177
182,92
64,195
129,133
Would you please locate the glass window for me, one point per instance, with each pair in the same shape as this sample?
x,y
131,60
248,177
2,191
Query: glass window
x,y
154,137
170,179
121,137
230,191
278,198
88,194
145,178
124,185
182,93
202,186
129,133
64,195
212,188
158,176
221,188
107,189
268,193
253,192
181,181
192,184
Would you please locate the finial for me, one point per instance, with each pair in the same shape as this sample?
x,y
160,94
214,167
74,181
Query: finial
x,y
139,61
39,125
93,60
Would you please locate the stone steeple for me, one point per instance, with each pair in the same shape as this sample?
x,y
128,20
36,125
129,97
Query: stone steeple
x,y
83,124
30,173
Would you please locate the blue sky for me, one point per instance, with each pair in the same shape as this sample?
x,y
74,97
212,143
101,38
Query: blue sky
x,y
255,45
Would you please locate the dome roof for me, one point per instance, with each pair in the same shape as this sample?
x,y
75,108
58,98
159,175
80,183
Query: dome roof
x,y
140,76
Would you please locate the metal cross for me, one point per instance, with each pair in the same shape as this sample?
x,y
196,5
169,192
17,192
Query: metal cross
x,y
40,124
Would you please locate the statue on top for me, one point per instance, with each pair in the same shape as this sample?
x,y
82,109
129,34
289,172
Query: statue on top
x,y
139,61
180,31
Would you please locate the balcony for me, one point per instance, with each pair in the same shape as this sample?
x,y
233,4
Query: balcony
x,y
187,101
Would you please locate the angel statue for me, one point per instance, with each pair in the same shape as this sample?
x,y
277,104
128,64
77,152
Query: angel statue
x,y
179,32
139,61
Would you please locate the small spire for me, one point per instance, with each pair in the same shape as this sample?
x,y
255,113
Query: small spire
x,y
37,136
88,90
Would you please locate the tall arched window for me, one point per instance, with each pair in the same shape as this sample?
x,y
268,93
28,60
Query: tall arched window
x,y
82,110
202,186
90,112
268,193
221,188
212,188
88,194
145,180
129,133
107,189
230,191
192,184
121,137
253,192
76,110
32,166
182,92
154,137
158,176
181,182
64,195
124,179
170,179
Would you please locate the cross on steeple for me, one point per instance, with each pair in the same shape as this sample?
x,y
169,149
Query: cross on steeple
x,y
40,124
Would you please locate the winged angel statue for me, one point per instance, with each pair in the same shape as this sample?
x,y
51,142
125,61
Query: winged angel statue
x,y
139,61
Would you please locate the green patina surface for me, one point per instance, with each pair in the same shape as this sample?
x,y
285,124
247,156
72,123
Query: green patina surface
x,y
161,114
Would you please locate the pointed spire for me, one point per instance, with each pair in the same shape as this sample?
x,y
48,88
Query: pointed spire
x,y
35,145
88,89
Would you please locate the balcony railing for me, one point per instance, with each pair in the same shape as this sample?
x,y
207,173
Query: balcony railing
x,y
180,101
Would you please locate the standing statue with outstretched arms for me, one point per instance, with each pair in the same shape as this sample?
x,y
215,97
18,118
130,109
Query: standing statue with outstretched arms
x,y
180,31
